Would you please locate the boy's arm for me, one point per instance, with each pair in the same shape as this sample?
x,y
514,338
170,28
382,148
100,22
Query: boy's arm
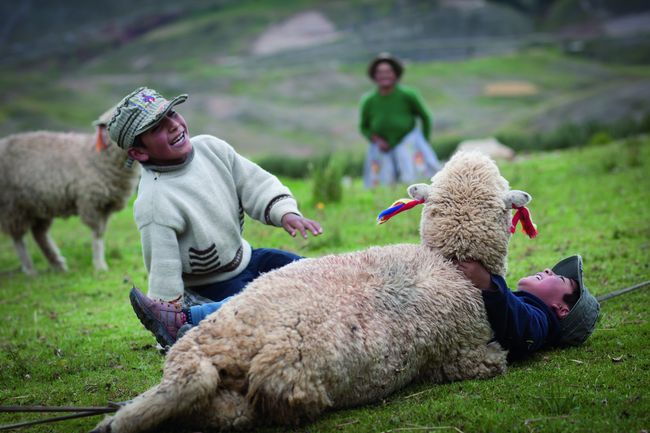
x,y
163,262
516,324
262,195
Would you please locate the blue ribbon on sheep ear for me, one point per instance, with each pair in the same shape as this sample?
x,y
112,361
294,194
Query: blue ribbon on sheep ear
x,y
418,192
518,200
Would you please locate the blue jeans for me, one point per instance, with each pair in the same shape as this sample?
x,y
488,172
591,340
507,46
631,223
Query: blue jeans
x,y
262,260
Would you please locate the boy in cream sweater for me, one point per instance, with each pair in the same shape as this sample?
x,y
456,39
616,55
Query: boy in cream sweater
x,y
190,213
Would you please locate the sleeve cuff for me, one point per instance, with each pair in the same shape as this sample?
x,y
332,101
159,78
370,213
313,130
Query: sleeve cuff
x,y
277,209
501,286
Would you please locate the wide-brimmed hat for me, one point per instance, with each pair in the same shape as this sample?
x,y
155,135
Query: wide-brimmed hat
x,y
138,112
578,325
397,65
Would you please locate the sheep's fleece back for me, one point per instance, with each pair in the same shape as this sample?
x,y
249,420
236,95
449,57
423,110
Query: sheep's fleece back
x,y
343,330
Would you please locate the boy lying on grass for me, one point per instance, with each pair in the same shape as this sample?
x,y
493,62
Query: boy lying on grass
x,y
551,308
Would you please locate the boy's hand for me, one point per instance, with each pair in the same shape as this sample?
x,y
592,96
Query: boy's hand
x,y
292,222
476,273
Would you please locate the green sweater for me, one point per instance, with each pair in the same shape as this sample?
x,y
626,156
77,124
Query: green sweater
x,y
393,116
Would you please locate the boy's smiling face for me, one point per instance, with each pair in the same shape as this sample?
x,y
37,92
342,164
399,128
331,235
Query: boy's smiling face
x,y
166,143
550,288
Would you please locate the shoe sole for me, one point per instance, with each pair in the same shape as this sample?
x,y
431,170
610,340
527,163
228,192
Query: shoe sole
x,y
151,324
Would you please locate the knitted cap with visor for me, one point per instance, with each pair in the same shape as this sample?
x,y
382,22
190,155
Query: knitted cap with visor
x,y
138,112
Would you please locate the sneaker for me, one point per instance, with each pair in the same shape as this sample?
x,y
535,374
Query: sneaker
x,y
163,319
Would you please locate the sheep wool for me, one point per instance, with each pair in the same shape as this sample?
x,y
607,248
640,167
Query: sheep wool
x,y
44,175
459,203
342,330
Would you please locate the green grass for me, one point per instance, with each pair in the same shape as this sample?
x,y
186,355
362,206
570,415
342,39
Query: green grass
x,y
72,339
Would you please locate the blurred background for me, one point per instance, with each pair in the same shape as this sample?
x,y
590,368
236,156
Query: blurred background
x,y
281,80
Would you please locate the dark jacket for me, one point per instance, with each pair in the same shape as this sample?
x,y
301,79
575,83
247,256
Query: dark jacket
x,y
522,323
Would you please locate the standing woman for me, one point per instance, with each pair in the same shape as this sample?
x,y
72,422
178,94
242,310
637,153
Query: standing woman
x,y
399,150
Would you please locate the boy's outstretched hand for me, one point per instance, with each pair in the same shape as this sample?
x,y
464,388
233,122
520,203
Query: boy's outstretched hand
x,y
476,273
292,223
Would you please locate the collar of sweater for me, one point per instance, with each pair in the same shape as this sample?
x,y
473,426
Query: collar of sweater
x,y
165,168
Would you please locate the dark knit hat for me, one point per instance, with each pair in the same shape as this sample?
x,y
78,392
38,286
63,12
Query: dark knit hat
x,y
395,63
578,325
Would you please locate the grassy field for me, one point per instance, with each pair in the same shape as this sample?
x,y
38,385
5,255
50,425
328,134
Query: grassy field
x,y
72,339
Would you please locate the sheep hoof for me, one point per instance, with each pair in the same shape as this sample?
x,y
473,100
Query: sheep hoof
x,y
61,268
101,267
30,272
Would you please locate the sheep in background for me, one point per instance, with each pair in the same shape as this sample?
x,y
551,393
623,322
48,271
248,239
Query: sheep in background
x,y
344,330
44,175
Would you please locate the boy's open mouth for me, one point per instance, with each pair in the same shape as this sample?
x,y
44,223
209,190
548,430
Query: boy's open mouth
x,y
178,140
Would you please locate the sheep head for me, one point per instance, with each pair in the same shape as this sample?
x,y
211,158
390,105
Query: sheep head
x,y
467,211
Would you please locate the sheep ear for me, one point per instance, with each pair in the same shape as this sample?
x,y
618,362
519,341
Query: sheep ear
x,y
516,198
419,191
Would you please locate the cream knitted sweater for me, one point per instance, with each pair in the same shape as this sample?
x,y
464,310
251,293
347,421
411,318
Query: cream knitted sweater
x,y
191,216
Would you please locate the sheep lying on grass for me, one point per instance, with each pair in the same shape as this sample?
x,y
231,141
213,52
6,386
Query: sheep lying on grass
x,y
344,330
44,175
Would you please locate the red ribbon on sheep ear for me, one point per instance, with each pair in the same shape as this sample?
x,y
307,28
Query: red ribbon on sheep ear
x,y
523,215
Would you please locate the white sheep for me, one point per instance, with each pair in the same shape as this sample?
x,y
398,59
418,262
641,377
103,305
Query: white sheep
x,y
44,175
344,330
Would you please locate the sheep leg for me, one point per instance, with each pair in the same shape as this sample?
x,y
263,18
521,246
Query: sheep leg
x,y
98,253
481,362
27,265
228,410
106,425
185,389
98,228
47,245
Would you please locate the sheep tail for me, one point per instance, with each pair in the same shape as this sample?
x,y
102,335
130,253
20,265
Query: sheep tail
x,y
181,391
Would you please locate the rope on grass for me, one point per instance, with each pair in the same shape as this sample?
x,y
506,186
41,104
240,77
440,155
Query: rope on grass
x,y
81,412
611,295
111,407
53,419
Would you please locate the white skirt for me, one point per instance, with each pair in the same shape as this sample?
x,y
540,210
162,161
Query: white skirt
x,y
412,160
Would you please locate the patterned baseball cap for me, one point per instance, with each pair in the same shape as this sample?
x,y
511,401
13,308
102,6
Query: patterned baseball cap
x,y
138,112
578,325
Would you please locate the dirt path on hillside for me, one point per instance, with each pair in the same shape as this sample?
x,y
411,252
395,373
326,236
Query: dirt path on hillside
x,y
305,29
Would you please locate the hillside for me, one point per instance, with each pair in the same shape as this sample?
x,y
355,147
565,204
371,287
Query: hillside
x,y
287,76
